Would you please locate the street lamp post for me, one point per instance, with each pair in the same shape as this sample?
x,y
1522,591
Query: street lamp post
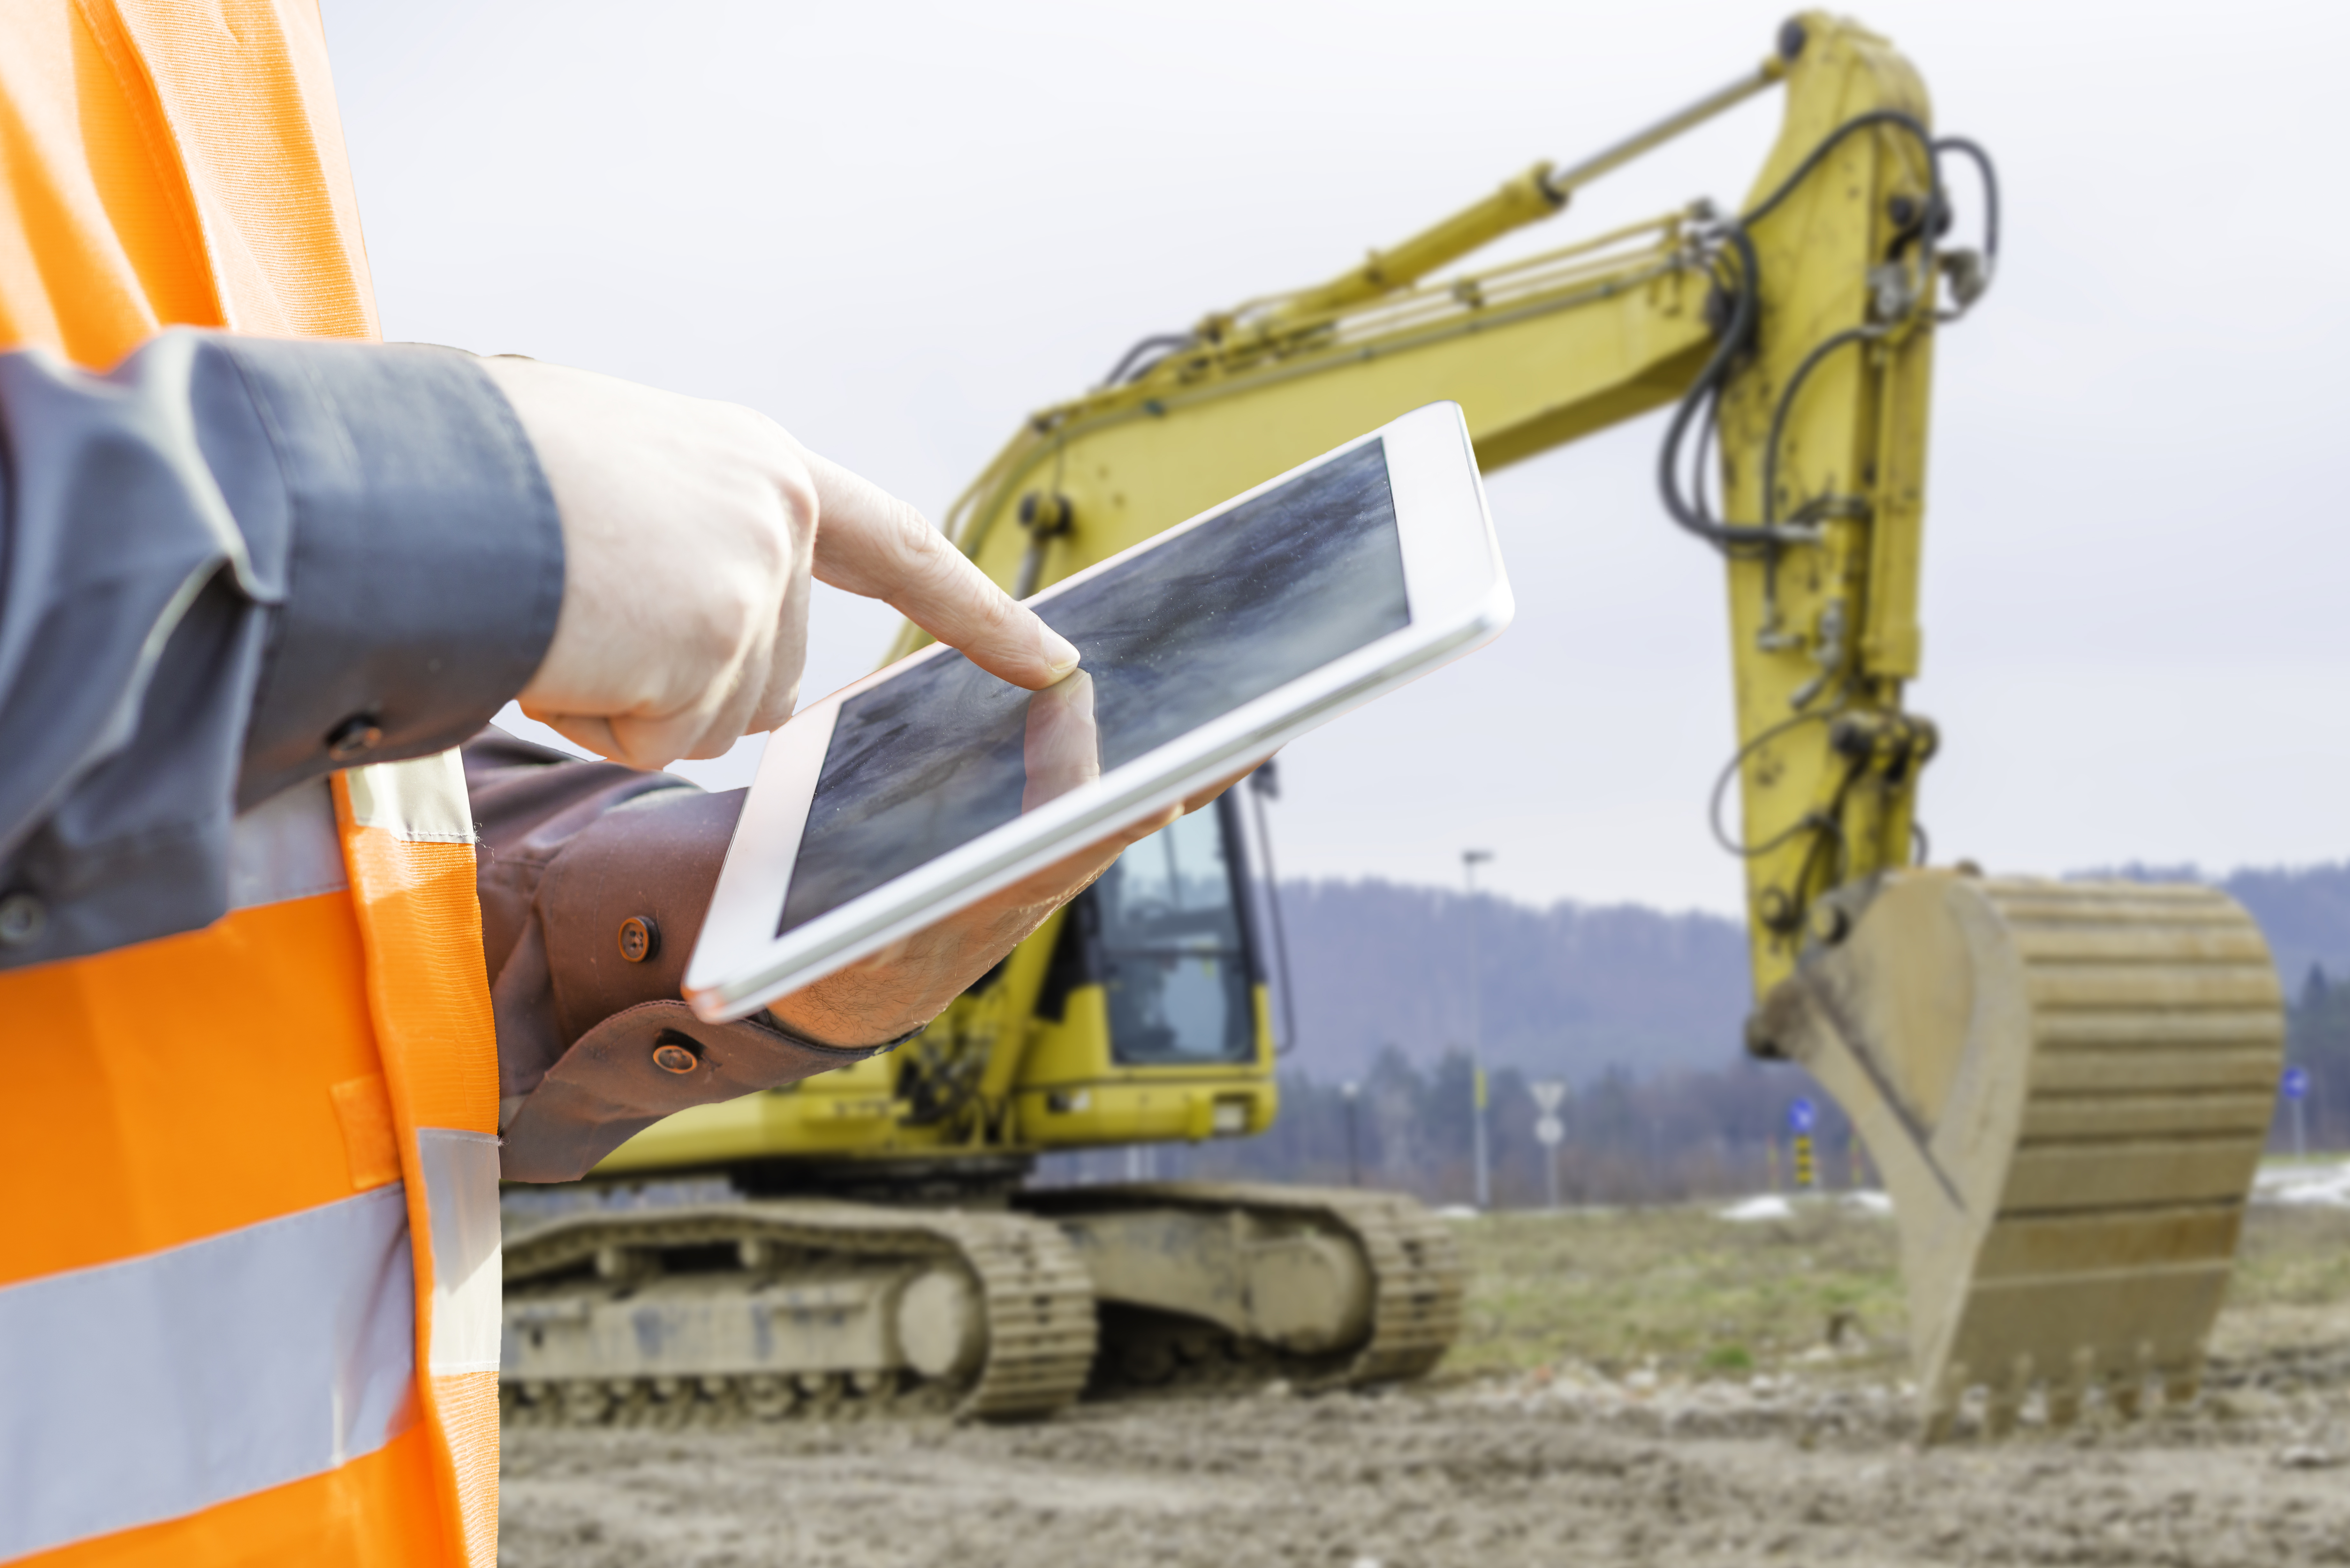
x,y
1350,1090
1470,860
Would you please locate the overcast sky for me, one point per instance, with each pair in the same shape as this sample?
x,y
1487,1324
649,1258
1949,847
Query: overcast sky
x,y
899,228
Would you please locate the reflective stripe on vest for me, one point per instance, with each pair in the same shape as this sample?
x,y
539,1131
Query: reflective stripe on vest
x,y
408,844
149,1388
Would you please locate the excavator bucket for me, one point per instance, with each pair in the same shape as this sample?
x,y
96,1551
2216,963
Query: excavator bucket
x,y
2066,1086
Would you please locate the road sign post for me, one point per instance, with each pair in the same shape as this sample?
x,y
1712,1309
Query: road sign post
x,y
1801,1118
1551,1131
2295,1089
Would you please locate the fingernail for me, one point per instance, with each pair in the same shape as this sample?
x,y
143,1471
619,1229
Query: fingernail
x,y
1060,653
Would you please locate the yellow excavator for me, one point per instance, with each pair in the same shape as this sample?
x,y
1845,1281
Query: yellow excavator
x,y
2066,1084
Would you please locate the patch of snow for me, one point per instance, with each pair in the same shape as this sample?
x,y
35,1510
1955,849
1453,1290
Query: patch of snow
x,y
1458,1211
1869,1199
2322,1182
1762,1206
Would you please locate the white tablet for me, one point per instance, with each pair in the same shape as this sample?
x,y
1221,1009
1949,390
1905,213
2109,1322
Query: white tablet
x,y
930,785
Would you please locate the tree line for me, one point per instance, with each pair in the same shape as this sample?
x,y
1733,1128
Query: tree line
x,y
2317,1041
1681,1134
1675,1136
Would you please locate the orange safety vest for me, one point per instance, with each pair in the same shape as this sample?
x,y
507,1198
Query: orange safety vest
x,y
248,1175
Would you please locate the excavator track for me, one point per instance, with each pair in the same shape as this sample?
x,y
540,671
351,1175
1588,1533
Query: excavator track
x,y
1388,1316
2067,1086
719,1312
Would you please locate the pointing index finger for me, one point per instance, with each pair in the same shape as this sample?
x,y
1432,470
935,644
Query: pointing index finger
x,y
870,543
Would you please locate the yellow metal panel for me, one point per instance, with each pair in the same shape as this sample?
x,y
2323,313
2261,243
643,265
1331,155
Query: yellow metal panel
x,y
1830,626
1073,1049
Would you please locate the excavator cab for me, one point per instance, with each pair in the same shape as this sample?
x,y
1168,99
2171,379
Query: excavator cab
x,y
1166,932
1151,1022
1137,1014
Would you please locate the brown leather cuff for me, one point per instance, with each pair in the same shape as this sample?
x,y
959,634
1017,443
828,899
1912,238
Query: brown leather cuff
x,y
622,906
594,883
632,1070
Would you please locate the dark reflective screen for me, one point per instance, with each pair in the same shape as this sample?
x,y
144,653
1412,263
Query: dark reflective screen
x,y
1273,589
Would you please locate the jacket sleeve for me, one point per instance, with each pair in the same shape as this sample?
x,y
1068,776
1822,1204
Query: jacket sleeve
x,y
594,881
229,568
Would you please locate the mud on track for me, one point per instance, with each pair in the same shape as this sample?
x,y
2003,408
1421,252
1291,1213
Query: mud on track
x,y
1683,1406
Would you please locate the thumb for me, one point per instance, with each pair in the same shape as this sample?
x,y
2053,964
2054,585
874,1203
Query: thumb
x,y
870,543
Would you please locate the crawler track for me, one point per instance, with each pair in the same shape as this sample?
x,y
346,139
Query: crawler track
x,y
624,1318
1415,1268
1034,1296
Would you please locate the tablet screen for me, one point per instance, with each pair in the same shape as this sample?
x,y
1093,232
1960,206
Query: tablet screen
x,y
1180,635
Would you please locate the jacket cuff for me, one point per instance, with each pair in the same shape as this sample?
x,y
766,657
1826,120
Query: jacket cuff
x,y
594,885
638,1066
425,567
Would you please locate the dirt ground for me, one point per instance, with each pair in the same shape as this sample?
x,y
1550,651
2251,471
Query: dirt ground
x,y
1640,1387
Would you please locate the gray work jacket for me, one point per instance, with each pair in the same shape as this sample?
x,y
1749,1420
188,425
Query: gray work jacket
x,y
236,564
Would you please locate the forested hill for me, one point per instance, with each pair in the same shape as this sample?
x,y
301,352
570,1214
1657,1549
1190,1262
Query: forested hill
x,y
1566,991
1573,990
2305,915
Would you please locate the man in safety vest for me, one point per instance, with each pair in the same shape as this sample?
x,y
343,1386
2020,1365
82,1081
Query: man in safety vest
x,y
288,981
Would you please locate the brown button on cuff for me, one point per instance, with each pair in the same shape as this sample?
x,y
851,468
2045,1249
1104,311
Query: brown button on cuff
x,y
610,1085
639,939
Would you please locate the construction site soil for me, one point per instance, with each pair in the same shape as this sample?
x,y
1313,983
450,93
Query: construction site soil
x,y
1658,1386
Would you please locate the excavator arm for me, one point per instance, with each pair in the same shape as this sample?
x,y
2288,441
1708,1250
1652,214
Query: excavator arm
x,y
2064,1083
1798,336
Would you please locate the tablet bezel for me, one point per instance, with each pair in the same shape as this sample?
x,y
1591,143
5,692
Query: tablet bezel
x,y
1459,600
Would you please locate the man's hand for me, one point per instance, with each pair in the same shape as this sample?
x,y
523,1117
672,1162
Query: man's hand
x,y
690,532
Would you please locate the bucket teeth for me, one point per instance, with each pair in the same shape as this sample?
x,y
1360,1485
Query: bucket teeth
x,y
2065,1395
2181,1384
2066,1087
